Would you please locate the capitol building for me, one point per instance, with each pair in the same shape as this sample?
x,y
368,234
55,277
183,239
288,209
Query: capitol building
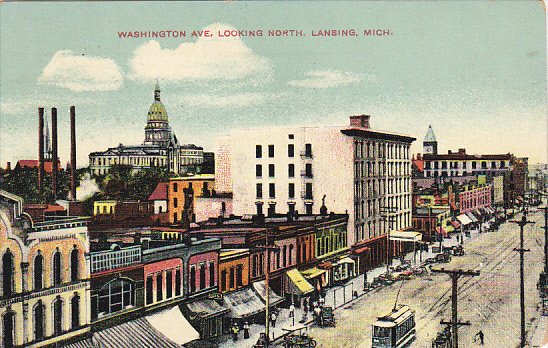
x,y
160,148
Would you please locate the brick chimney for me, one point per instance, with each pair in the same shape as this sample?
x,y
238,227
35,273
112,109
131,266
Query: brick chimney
x,y
361,121
40,148
462,151
55,156
8,166
73,153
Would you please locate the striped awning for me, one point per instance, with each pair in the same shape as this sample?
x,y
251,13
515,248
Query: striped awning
x,y
273,298
85,343
133,333
206,308
243,303
472,217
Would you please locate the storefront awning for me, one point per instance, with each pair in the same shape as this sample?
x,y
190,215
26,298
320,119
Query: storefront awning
x,y
472,217
490,209
243,303
441,230
206,308
133,333
346,260
455,224
464,219
361,250
297,283
273,298
406,236
172,324
313,272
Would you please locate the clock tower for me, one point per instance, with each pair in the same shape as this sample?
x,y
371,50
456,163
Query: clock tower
x,y
430,144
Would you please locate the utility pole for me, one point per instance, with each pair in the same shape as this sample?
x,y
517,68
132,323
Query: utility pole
x,y
521,251
455,274
545,239
268,247
386,215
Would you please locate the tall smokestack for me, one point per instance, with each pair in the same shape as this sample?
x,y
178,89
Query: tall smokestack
x,y
54,156
40,148
73,152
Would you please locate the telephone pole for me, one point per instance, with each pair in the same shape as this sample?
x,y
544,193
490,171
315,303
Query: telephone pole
x,y
455,274
521,251
268,247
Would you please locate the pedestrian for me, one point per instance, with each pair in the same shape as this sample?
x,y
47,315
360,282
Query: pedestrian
x,y
235,330
305,305
246,330
314,305
304,318
322,301
273,318
480,336
292,311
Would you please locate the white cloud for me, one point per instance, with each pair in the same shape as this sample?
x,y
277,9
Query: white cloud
x,y
81,73
327,79
206,59
238,100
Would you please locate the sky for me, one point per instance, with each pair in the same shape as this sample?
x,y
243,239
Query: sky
x,y
475,71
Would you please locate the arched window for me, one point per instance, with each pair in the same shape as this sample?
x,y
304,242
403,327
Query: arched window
x,y
56,267
116,296
75,311
7,274
57,316
38,313
38,271
8,329
74,264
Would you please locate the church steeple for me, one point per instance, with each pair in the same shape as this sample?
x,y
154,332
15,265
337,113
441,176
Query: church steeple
x,y
430,144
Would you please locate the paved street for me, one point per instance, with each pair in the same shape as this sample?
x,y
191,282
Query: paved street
x,y
490,302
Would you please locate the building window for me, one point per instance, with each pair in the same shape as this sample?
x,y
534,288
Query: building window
x,y
258,151
474,165
271,209
308,170
38,271
291,136
74,264
202,276
231,278
169,283
272,190
284,256
290,254
175,188
175,202
258,170
177,282
75,312
211,273
159,287
291,191
56,268
192,278
39,321
308,209
308,191
149,290
7,274
223,280
290,150
291,170
270,150
308,150
239,276
254,266
57,316
259,190
271,170
8,329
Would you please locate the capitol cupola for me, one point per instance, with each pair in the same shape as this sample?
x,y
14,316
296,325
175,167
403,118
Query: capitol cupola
x,y
157,130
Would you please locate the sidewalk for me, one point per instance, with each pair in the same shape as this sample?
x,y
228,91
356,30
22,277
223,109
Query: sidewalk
x,y
337,297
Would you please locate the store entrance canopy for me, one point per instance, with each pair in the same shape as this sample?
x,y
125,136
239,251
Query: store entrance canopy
x,y
465,220
297,284
406,236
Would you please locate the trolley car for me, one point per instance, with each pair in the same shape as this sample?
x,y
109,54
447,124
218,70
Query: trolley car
x,y
394,330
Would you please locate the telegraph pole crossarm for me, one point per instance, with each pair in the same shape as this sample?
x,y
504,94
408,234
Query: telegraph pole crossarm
x,y
455,274
522,251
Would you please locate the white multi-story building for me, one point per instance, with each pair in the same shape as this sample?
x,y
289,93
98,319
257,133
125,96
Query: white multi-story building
x,y
352,169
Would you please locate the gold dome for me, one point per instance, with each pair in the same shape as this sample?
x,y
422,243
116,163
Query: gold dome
x,y
157,112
